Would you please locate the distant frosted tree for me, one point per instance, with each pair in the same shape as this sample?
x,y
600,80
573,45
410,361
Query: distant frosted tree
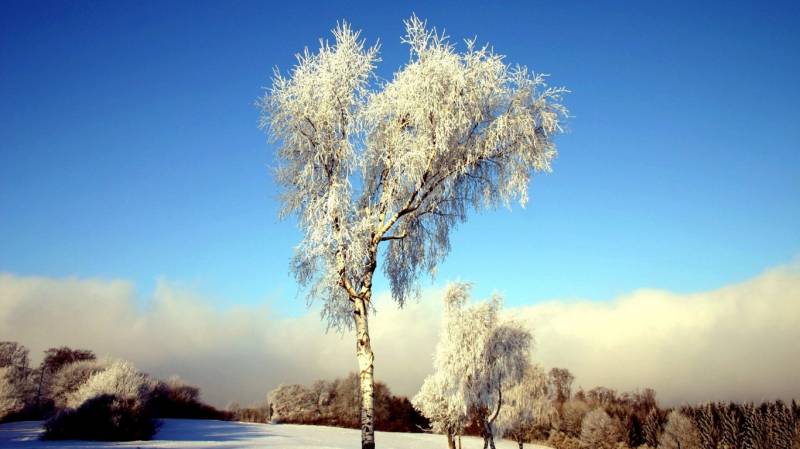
x,y
571,416
54,360
526,406
477,360
560,384
400,163
679,433
10,397
16,387
652,427
705,423
730,421
781,427
599,431
13,356
293,403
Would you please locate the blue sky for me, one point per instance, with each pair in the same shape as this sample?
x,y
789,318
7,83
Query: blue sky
x,y
129,146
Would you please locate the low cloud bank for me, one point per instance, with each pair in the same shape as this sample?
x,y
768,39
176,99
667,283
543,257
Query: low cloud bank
x,y
739,342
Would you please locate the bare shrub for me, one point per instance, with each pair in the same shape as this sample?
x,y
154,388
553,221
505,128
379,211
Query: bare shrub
x,y
560,440
175,398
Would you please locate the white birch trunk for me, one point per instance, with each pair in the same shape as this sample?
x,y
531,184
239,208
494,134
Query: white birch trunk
x,y
365,375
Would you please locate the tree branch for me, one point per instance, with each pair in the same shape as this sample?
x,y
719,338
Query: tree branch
x,y
393,237
499,403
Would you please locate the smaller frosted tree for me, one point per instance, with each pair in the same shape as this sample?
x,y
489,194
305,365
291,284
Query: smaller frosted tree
x,y
599,431
292,403
571,416
14,376
679,433
526,406
445,415
478,358
560,384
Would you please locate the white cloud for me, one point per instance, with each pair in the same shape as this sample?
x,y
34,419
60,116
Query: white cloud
x,y
738,342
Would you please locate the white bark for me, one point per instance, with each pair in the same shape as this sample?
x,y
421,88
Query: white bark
x,y
366,368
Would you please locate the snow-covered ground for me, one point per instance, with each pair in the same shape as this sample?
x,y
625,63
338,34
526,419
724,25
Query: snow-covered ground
x,y
196,434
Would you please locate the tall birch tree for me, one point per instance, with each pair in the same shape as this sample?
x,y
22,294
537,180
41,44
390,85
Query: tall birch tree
x,y
385,169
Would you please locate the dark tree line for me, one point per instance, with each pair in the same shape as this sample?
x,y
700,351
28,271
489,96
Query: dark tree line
x,y
636,421
769,425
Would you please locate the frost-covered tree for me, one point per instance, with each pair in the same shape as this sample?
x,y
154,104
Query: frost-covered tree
x,y
10,397
13,356
446,416
560,384
111,405
120,379
571,416
653,426
16,386
600,431
54,360
526,406
293,403
365,163
679,433
477,360
69,379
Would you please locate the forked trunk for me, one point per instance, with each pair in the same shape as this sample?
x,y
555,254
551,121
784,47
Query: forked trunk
x,y
488,436
365,375
451,441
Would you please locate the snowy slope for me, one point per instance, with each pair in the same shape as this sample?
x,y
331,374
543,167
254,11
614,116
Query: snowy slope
x,y
195,434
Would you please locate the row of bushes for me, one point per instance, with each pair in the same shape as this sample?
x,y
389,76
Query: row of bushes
x,y
117,402
256,414
337,403
84,398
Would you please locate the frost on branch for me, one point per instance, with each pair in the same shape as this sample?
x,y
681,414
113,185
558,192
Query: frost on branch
x,y
400,162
